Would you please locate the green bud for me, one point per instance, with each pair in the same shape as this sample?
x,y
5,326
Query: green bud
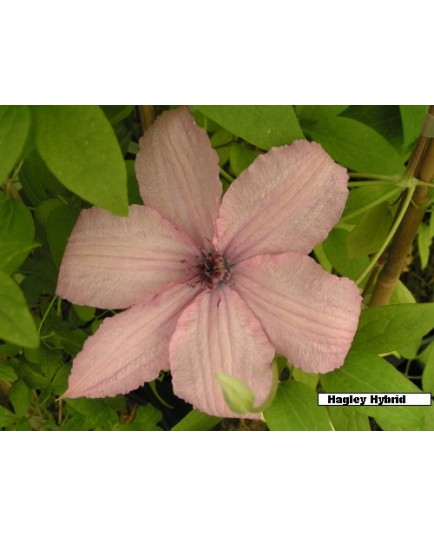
x,y
237,394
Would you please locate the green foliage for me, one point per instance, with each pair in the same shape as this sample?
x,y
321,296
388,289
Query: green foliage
x,y
57,161
316,113
371,231
79,147
368,373
14,128
424,240
428,372
390,327
263,126
412,121
295,408
346,419
356,145
336,250
16,323
146,419
195,421
17,231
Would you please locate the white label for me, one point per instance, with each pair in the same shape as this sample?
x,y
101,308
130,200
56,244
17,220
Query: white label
x,y
374,399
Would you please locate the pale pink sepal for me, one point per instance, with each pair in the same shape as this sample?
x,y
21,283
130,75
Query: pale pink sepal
x,y
309,315
128,349
217,333
178,174
287,200
112,262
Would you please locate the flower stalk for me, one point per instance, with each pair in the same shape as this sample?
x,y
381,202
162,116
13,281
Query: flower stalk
x,y
420,166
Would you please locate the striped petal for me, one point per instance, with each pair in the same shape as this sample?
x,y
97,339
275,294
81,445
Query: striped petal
x,y
129,348
217,333
287,200
112,262
178,174
309,315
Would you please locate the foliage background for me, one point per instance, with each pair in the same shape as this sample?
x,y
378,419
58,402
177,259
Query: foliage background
x,y
56,160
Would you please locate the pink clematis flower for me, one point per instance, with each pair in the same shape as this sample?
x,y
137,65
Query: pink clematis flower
x,y
211,286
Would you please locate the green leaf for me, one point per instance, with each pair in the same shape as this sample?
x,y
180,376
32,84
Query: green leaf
x,y
384,119
37,180
14,128
79,146
389,327
16,323
240,158
401,294
428,371
263,126
71,341
32,376
371,231
133,186
60,380
17,231
412,121
424,244
116,114
7,418
44,209
99,413
196,421
221,141
336,250
7,372
356,146
84,312
295,408
59,228
47,360
345,418
366,373
146,419
310,380
364,198
316,113
20,397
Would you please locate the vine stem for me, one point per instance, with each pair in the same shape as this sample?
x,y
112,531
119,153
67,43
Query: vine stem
x,y
390,235
147,116
420,166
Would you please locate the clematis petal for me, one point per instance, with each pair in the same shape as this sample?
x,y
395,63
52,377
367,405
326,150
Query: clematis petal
x,y
178,174
217,333
129,348
113,262
287,200
309,315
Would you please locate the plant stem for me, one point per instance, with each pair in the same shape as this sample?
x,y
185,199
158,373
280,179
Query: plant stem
x,y
353,184
421,166
226,176
391,234
375,177
381,199
147,116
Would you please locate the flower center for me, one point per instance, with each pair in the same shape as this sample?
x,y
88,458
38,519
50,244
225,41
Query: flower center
x,y
212,270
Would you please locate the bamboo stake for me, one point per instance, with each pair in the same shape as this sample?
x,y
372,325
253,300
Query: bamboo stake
x,y
421,166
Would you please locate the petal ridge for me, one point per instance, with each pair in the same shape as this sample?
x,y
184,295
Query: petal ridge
x,y
287,200
309,315
178,174
216,333
112,262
